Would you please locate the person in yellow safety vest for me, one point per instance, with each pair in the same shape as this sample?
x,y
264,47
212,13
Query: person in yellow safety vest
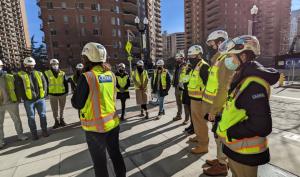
x,y
196,86
179,66
9,102
73,80
123,84
214,97
95,98
246,119
161,84
140,80
31,86
57,89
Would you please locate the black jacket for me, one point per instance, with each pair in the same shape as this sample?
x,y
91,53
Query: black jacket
x,y
55,73
259,122
81,93
20,91
161,92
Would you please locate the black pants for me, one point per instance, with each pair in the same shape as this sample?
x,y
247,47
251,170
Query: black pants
x,y
123,105
144,107
98,143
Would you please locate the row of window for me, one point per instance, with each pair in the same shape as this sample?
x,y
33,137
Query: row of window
x,y
83,19
115,44
82,6
96,32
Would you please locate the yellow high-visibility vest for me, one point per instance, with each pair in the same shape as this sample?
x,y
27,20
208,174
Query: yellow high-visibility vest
x,y
212,85
10,86
232,115
163,78
99,112
27,85
56,85
196,85
122,81
137,80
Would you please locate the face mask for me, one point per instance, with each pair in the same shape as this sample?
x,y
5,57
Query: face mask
x,y
121,70
55,67
29,69
230,64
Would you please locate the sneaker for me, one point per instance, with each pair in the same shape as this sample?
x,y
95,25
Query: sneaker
x,y
191,132
34,136
45,134
142,113
177,118
22,137
185,122
2,144
147,115
56,124
216,170
62,123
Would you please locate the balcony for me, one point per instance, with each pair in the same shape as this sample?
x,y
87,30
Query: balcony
x,y
129,7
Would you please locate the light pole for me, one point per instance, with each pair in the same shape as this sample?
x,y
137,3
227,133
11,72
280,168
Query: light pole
x,y
142,27
253,11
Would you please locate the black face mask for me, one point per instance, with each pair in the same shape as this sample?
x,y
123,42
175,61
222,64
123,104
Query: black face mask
x,y
194,61
29,69
121,71
140,69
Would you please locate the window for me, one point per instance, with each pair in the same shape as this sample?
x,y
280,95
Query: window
x,y
55,44
117,10
83,32
95,19
113,20
56,55
64,5
115,45
68,45
96,32
114,32
52,32
67,32
82,19
49,5
50,18
119,33
81,5
118,21
120,44
94,6
66,19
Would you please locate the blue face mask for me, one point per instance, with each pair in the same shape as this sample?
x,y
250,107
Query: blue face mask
x,y
230,64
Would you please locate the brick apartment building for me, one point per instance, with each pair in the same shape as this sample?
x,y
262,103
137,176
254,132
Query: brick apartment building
x,y
271,24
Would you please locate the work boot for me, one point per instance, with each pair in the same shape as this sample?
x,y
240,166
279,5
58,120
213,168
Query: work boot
x,y
62,123
122,117
45,133
142,113
147,115
199,150
212,162
185,122
216,170
56,124
163,112
2,144
177,118
34,136
191,131
22,137
193,140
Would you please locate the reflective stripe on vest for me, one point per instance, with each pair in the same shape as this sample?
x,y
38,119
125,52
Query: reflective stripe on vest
x,y
232,115
99,112
212,85
10,86
163,78
122,81
27,85
56,85
196,85
138,82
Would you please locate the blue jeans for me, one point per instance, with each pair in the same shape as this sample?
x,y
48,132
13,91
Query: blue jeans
x,y
40,106
161,101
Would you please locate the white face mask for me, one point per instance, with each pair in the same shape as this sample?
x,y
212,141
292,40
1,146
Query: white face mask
x,y
55,67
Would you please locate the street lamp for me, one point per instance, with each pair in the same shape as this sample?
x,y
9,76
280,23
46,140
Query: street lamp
x,y
142,27
254,11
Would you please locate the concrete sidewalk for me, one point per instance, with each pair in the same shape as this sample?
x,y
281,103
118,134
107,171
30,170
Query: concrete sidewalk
x,y
151,148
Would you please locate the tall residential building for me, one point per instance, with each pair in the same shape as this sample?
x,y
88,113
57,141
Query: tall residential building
x,y
295,29
173,43
14,36
69,24
153,12
270,26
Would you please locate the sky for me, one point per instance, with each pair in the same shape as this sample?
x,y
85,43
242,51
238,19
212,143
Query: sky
x,y
172,12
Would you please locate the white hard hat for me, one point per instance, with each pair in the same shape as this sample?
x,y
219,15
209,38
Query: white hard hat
x,y
217,34
95,52
29,61
240,44
121,65
79,66
1,63
160,63
179,55
140,63
54,61
195,50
